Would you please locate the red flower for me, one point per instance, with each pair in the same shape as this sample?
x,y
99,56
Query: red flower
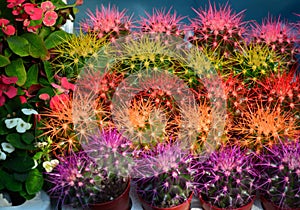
x,y
34,12
6,28
47,6
14,3
58,102
50,18
6,88
66,84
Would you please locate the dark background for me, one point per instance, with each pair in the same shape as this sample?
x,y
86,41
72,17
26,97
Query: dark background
x,y
255,9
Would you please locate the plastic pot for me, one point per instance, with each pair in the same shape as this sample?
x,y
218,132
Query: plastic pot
x,y
208,206
269,205
183,206
120,203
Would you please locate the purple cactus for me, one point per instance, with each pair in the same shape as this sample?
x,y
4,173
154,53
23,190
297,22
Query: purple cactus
x,y
226,178
94,176
280,174
163,176
110,150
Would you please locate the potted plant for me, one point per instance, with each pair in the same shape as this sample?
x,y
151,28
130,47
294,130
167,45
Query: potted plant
x,y
226,179
28,30
279,176
163,178
93,178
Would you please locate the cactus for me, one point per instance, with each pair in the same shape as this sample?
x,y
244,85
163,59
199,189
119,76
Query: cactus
x,y
255,61
219,28
69,57
279,174
280,90
279,36
94,175
163,176
226,179
107,22
161,21
263,126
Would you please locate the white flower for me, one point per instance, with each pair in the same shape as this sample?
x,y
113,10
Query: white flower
x,y
2,155
7,147
10,123
48,166
54,162
29,111
22,126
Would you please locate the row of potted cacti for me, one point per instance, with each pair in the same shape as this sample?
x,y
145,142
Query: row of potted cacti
x,y
228,178
111,106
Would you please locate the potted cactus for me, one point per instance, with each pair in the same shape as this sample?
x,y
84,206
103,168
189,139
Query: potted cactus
x,y
280,171
82,180
163,178
226,179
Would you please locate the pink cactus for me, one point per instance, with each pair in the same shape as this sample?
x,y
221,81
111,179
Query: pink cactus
x,y
161,21
107,21
279,35
215,27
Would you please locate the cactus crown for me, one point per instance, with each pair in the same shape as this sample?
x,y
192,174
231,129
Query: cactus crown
x,y
280,172
163,176
226,179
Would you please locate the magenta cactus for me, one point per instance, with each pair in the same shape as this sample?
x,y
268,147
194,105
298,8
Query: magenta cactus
x,y
161,21
227,178
107,22
96,175
163,176
217,27
280,174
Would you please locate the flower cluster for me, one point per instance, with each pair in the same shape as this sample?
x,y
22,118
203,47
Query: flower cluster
x,y
33,15
7,28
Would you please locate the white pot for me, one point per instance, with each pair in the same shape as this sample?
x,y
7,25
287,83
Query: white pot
x,y
40,202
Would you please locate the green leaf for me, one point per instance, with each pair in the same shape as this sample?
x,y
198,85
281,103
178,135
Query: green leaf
x,y
56,38
37,48
49,71
16,69
32,76
9,182
19,164
1,186
34,182
15,140
20,176
18,45
27,137
4,61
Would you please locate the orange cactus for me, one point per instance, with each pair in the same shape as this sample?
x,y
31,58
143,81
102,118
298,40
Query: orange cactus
x,y
264,126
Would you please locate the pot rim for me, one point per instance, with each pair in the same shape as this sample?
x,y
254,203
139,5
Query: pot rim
x,y
170,208
211,205
116,199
